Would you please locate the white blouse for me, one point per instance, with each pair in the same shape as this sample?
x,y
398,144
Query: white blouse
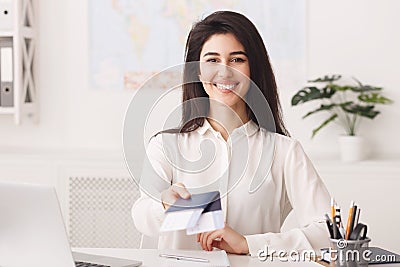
x,y
261,175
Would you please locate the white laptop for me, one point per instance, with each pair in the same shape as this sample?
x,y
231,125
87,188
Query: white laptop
x,y
32,231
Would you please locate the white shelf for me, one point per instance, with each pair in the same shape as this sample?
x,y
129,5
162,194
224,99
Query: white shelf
x,y
6,111
28,32
19,33
6,33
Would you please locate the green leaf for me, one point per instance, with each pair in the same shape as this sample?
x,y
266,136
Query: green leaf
x,y
321,108
341,87
366,88
358,81
311,93
374,98
364,111
327,78
316,130
344,104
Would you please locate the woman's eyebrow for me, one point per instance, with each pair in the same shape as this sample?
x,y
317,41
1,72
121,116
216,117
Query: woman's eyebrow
x,y
232,53
211,54
238,53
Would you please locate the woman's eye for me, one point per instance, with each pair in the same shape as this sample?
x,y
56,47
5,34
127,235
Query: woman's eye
x,y
212,60
237,59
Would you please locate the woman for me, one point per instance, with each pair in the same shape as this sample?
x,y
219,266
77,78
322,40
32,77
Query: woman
x,y
233,65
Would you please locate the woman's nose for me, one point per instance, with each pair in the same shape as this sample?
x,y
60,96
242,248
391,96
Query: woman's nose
x,y
224,70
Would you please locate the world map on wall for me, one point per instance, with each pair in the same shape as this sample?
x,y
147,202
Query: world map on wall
x,y
132,40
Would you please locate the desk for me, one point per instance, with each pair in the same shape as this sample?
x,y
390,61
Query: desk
x,y
150,258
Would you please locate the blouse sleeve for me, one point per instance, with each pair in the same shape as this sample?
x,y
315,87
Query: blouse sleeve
x,y
310,200
147,211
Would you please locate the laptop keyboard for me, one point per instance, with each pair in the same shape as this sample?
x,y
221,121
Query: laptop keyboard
x,y
88,264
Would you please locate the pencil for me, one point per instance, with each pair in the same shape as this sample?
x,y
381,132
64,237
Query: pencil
x,y
353,219
349,220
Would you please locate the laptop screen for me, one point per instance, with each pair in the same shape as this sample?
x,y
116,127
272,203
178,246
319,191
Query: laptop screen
x,y
32,230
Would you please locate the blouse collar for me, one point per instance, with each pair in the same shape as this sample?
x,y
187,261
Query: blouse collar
x,y
249,128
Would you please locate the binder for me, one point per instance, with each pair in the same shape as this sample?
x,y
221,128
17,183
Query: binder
x,y
6,15
6,73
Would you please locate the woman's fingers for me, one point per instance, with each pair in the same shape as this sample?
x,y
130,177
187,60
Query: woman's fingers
x,y
211,238
230,241
223,245
181,190
169,196
202,235
206,239
203,239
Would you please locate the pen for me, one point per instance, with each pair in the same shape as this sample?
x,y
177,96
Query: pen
x,y
350,220
330,225
335,230
357,216
184,258
338,221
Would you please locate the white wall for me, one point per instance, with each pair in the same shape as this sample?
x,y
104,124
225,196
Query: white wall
x,y
354,38
357,37
71,115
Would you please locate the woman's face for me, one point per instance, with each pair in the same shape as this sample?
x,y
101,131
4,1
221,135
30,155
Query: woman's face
x,y
225,70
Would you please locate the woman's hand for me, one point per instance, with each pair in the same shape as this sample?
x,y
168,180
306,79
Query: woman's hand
x,y
230,240
169,196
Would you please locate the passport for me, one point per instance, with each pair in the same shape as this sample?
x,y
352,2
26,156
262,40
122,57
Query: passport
x,y
208,201
200,213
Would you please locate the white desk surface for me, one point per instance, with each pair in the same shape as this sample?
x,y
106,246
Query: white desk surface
x,y
150,257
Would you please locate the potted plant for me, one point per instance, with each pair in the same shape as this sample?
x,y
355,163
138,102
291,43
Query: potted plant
x,y
346,105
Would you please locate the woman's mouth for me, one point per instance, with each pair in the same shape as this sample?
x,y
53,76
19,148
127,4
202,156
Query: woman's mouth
x,y
225,87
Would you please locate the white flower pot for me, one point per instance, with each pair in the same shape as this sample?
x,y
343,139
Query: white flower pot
x,y
352,148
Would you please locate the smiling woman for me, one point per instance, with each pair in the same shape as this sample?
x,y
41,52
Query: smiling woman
x,y
225,76
229,39
227,66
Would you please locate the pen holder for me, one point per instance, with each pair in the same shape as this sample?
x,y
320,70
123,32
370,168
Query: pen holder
x,y
349,253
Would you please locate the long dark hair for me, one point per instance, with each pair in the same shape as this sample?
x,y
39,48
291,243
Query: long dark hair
x,y
223,22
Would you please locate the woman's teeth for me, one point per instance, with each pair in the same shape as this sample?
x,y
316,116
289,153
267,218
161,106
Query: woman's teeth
x,y
225,86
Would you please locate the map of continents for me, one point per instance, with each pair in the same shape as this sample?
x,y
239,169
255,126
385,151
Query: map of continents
x,y
132,40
